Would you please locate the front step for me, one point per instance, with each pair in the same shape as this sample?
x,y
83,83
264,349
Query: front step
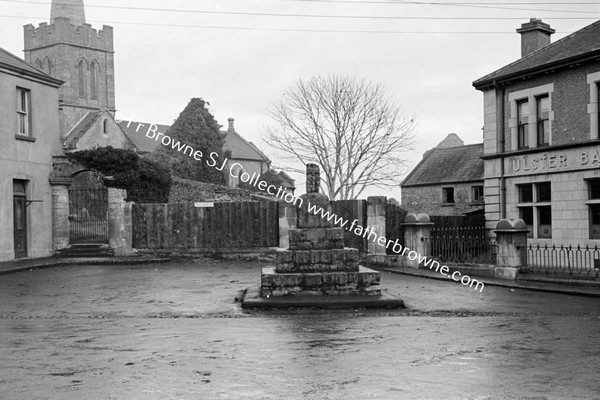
x,y
87,250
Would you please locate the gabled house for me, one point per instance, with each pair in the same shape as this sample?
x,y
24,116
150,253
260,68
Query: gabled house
x,y
243,152
541,140
447,181
29,128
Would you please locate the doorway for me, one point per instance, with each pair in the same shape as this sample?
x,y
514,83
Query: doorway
x,y
20,218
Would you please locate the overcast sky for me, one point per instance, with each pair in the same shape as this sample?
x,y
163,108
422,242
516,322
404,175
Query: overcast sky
x,y
240,62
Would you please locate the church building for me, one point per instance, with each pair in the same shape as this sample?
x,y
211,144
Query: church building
x,y
70,50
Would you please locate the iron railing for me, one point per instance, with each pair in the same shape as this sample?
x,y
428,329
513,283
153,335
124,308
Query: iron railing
x,y
463,245
88,216
563,260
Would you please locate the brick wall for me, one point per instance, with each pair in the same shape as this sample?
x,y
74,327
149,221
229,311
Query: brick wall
x,y
570,98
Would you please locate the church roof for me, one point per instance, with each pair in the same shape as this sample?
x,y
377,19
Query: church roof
x,y
11,62
448,165
81,129
76,134
578,46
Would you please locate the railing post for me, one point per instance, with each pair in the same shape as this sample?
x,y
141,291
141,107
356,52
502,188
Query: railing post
x,y
511,239
417,237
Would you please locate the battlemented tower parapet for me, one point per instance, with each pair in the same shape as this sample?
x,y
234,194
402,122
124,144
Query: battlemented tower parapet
x,y
62,31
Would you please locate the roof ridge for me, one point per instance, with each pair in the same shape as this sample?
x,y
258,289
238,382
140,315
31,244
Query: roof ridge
x,y
458,147
568,37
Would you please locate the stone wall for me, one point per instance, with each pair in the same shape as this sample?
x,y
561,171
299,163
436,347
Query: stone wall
x,y
185,191
429,199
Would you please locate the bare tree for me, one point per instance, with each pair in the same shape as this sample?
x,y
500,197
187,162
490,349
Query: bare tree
x,y
349,126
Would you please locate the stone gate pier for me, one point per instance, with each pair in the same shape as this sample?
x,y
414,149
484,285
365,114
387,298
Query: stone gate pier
x,y
317,270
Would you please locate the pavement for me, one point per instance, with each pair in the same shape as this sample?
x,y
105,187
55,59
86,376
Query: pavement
x,y
172,330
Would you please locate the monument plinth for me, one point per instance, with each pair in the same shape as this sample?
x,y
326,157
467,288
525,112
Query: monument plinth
x,y
317,270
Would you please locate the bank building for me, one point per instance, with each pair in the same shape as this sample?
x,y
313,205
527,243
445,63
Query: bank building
x,y
541,143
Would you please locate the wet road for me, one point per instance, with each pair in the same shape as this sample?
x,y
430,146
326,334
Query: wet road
x,y
174,332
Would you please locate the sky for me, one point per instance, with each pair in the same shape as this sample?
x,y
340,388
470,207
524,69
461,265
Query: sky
x,y
240,55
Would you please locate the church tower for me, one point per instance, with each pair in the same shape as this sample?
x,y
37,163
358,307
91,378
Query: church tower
x,y
71,50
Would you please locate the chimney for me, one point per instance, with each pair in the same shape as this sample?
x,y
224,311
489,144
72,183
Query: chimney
x,y
535,34
231,128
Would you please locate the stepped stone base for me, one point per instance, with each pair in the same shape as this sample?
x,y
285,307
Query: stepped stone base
x,y
252,299
320,283
316,238
346,259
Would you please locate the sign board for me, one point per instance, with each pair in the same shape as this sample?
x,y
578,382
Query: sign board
x,y
204,205
554,161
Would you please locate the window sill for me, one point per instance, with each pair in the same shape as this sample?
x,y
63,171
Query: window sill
x,y
25,138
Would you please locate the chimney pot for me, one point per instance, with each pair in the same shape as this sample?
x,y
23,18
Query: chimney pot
x,y
535,34
231,125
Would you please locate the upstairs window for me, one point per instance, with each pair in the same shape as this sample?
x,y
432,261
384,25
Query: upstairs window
x,y
543,120
23,112
477,194
94,80
531,117
448,195
81,78
523,124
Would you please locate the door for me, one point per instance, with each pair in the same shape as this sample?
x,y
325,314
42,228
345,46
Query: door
x,y
20,219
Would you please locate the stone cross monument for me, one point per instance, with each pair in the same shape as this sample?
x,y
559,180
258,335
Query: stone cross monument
x,y
317,270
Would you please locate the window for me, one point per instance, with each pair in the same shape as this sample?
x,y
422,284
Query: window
x,y
594,221
598,109
543,120
23,112
543,192
105,127
523,124
448,195
81,78
535,208
531,117
94,80
544,222
526,193
48,65
526,214
593,108
38,64
594,207
594,189
477,193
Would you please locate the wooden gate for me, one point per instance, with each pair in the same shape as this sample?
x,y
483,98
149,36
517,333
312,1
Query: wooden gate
x,y
88,209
